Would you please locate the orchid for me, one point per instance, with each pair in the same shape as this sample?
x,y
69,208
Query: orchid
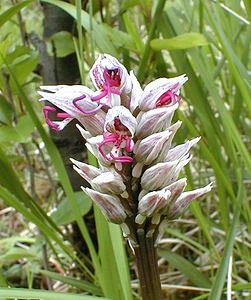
x,y
129,130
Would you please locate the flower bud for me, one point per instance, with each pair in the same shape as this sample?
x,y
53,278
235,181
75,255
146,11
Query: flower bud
x,y
185,199
173,129
176,188
147,150
153,203
88,172
111,207
154,120
182,162
180,150
108,182
158,176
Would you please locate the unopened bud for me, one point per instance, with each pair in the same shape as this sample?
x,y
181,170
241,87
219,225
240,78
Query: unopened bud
x,y
147,150
88,172
185,199
154,120
107,182
180,150
173,129
158,176
153,203
111,207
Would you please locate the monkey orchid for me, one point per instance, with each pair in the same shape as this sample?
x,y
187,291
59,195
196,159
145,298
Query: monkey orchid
x,y
129,130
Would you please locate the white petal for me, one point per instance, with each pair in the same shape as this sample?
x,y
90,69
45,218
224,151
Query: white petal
x,y
86,134
61,124
106,61
87,171
52,88
94,123
115,100
63,99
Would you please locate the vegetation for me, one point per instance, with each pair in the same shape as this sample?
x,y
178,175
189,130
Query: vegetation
x,y
203,255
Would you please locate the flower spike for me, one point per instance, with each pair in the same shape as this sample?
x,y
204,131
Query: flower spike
x,y
129,130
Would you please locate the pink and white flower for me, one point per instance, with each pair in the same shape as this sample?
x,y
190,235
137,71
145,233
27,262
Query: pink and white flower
x,y
129,131
111,79
161,92
64,97
119,129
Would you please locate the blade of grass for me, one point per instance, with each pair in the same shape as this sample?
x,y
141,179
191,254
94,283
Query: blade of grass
x,y
26,294
121,260
9,13
218,284
237,69
10,180
186,268
80,39
81,284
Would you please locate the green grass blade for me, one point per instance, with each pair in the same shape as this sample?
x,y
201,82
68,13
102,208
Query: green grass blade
x,y
26,294
81,284
121,260
186,268
9,13
218,284
112,285
142,70
239,72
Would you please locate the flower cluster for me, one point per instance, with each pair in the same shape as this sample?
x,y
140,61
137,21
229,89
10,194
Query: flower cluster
x,y
129,131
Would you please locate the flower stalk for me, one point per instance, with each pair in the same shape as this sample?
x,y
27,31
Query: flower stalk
x,y
136,183
147,264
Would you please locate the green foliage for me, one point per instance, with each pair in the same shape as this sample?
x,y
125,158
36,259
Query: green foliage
x,y
182,41
210,42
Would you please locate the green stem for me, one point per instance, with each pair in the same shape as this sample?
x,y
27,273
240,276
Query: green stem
x,y
146,260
